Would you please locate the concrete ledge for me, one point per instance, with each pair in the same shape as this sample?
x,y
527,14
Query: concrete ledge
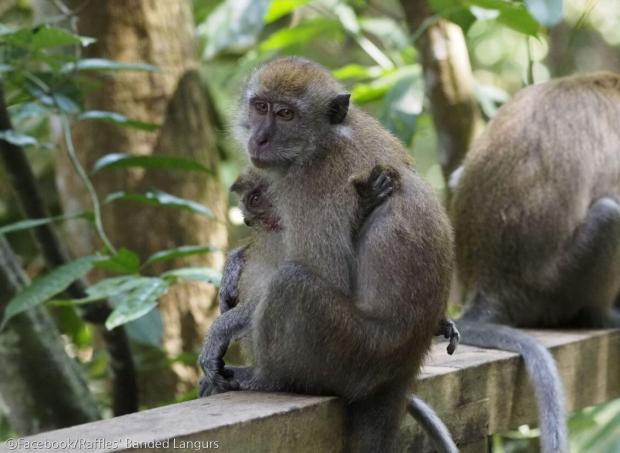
x,y
477,392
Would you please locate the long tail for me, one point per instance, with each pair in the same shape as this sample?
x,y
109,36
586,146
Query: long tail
x,y
432,424
542,373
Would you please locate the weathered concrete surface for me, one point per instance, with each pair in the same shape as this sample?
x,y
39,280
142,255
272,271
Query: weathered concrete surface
x,y
477,392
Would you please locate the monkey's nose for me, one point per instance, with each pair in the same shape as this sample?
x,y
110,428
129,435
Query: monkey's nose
x,y
261,141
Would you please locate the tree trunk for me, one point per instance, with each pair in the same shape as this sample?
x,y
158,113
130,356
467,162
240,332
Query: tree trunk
x,y
449,83
41,388
159,33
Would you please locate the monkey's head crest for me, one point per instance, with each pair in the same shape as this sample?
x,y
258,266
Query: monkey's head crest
x,y
290,111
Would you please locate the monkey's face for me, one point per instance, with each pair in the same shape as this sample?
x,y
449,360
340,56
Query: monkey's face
x,y
258,212
275,139
290,106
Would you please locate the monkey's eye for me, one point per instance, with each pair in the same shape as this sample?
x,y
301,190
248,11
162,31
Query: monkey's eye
x,y
285,114
253,199
261,107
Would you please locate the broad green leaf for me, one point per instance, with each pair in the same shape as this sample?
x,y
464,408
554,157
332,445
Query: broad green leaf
x,y
179,252
47,286
199,274
105,289
455,11
137,302
65,103
233,26
154,161
513,15
32,223
402,105
112,286
159,198
302,34
102,64
46,36
147,330
117,118
18,139
280,8
28,110
378,88
356,71
547,12
124,262
519,20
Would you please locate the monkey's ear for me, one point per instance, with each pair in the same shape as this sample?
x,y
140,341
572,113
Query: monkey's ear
x,y
238,186
338,108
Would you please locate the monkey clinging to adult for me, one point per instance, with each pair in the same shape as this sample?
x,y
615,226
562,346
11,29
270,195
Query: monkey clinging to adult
x,y
333,317
259,213
537,224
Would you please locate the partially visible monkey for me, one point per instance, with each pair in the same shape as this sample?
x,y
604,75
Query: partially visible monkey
x,y
537,222
363,343
258,212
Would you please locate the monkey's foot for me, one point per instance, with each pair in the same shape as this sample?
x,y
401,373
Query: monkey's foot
x,y
217,379
449,331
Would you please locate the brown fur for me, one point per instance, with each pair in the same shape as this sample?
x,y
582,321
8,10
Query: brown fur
x,y
537,222
364,343
528,184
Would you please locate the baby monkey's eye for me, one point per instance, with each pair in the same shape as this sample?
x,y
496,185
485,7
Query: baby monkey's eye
x,y
253,199
285,114
261,107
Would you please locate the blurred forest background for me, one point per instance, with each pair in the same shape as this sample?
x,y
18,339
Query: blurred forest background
x,y
116,162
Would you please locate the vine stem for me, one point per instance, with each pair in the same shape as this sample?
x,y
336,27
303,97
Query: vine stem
x,y
75,163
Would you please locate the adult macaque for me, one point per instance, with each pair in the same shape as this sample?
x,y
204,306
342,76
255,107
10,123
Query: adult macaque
x,y
537,225
333,316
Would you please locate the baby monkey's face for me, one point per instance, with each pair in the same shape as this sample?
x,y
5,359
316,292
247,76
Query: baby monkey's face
x,y
258,211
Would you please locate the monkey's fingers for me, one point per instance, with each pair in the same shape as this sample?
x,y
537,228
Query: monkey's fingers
x,y
455,339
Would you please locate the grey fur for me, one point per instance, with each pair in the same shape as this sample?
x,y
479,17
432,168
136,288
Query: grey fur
x,y
432,424
537,225
363,343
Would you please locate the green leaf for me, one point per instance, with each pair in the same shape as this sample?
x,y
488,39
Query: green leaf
x,y
179,252
302,34
18,139
159,198
47,286
196,274
46,36
455,11
137,302
105,289
280,8
233,26
65,103
356,71
117,118
32,223
402,105
124,262
378,88
147,330
547,12
102,64
513,15
154,161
